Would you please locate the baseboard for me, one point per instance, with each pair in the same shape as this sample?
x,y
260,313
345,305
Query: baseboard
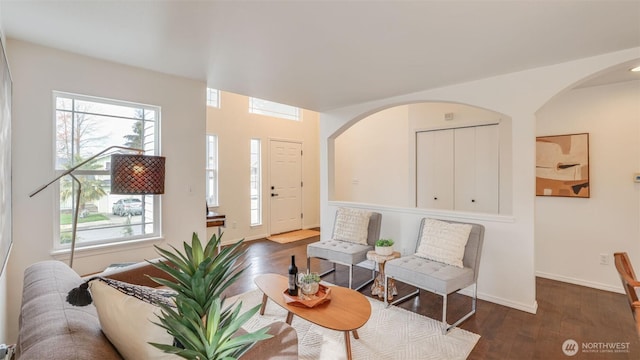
x,y
468,291
246,239
581,282
530,308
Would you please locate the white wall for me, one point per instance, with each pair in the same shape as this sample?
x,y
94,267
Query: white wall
x,y
571,233
507,270
371,161
235,126
37,71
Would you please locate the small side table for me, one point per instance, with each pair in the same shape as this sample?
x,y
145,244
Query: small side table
x,y
378,284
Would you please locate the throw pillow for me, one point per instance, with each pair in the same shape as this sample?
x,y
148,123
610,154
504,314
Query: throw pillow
x,y
128,321
352,225
444,242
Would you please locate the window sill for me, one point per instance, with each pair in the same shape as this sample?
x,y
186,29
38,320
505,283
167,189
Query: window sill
x,y
100,249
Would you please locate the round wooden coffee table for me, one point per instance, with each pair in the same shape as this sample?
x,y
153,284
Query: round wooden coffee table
x,y
347,311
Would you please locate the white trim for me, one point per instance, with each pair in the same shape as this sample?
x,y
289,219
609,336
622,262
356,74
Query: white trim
x,y
436,213
580,282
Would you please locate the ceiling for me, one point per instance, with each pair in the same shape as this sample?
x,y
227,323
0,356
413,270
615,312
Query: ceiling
x,y
323,55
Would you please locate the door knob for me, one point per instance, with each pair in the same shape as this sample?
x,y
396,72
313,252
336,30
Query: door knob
x,y
272,194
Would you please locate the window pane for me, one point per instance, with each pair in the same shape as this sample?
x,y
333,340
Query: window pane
x,y
270,108
86,126
255,183
211,170
213,97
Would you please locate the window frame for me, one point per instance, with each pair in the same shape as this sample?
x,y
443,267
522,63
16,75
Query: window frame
x,y
151,217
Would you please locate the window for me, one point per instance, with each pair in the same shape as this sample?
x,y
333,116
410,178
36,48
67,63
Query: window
x,y
212,170
270,108
256,183
213,97
85,126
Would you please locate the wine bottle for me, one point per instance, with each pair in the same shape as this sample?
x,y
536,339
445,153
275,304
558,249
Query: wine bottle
x,y
293,275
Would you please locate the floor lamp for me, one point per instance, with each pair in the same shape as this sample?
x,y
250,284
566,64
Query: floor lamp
x,y
131,174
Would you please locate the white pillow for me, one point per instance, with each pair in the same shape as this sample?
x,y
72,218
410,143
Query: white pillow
x,y
444,242
128,323
352,225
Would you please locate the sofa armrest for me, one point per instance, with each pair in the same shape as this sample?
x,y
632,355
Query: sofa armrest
x,y
282,346
137,274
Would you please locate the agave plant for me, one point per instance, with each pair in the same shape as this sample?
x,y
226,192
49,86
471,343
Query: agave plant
x,y
200,323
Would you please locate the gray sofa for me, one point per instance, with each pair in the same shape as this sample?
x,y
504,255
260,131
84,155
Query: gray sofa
x,y
51,328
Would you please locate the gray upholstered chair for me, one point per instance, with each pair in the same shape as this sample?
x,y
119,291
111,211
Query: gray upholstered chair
x,y
437,277
355,232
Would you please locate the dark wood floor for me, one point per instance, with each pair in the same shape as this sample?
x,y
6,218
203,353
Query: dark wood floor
x,y
565,311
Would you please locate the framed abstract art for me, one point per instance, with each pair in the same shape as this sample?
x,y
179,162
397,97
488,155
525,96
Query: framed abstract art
x,y
562,165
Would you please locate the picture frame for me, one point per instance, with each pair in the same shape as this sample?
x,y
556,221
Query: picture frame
x,y
562,165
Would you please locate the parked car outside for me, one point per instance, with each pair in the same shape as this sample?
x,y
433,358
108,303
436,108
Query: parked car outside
x,y
125,207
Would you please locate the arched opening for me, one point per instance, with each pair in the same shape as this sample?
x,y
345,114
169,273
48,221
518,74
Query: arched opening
x,y
606,106
381,158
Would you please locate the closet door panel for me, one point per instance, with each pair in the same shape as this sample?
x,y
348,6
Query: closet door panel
x,y
434,169
487,169
465,168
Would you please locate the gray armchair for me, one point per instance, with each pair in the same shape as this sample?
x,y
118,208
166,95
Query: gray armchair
x,y
437,277
355,232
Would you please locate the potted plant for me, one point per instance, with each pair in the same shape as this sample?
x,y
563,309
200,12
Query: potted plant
x,y
309,283
384,247
202,326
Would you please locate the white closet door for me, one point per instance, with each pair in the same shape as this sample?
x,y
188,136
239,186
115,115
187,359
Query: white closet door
x,y
487,169
476,169
434,169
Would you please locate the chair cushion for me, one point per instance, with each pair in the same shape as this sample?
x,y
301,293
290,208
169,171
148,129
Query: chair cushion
x,y
443,241
339,251
429,275
351,225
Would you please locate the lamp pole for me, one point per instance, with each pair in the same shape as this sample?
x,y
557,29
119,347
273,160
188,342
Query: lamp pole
x,y
69,172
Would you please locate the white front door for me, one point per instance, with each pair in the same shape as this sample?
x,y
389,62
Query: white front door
x,y
285,186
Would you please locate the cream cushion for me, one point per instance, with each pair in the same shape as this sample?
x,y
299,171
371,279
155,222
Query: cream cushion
x,y
128,323
443,242
352,225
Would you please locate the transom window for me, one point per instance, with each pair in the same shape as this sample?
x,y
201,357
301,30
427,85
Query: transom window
x,y
270,108
85,126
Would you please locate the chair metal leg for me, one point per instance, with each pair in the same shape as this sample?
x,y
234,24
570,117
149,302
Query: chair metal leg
x,y
367,282
333,268
404,298
447,327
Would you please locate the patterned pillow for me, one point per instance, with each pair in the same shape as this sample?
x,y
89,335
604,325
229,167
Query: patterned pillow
x,y
444,242
352,225
127,315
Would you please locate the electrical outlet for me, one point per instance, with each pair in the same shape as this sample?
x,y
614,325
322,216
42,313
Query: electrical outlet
x,y
604,259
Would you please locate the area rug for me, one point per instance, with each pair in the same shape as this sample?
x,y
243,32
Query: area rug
x,y
292,236
391,333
